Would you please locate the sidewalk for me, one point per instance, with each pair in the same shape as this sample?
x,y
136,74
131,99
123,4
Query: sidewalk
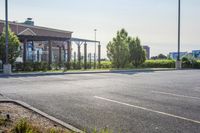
x,y
85,72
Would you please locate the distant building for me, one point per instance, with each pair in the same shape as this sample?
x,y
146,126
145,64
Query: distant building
x,y
44,44
196,54
174,55
147,50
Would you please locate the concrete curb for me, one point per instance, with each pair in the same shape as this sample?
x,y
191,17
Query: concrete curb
x,y
83,72
29,107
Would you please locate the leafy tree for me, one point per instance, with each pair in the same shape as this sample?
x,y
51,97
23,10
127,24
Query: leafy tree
x,y
13,47
162,56
159,57
137,53
117,49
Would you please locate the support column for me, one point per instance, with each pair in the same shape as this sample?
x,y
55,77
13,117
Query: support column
x,y
79,56
38,56
74,57
85,55
64,50
24,51
74,63
33,49
90,59
60,56
68,55
99,56
45,57
50,54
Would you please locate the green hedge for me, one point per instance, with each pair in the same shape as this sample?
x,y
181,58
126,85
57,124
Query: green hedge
x,y
43,66
196,64
30,66
191,64
159,64
105,65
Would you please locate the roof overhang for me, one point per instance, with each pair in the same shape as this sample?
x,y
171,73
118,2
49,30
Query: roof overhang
x,y
48,38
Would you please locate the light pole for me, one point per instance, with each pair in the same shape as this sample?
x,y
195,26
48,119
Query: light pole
x,y
95,47
178,62
7,66
6,18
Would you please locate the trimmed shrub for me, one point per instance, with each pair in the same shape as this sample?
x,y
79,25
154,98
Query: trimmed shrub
x,y
159,64
106,64
30,66
196,64
186,63
44,66
18,66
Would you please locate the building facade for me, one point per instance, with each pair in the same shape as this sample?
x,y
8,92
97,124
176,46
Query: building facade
x,y
196,54
174,55
46,44
147,50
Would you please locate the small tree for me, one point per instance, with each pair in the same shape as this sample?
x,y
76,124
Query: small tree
x,y
13,48
162,56
117,49
137,53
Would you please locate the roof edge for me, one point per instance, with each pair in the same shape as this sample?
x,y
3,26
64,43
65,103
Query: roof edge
x,y
38,27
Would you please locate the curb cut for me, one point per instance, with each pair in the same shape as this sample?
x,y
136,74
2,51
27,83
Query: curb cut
x,y
29,107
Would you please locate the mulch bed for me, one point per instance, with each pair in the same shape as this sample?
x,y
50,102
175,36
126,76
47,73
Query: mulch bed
x,y
13,113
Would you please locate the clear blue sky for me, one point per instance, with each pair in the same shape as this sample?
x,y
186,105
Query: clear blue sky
x,y
153,21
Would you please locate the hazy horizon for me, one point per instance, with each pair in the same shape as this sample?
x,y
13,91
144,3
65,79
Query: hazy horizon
x,y
153,21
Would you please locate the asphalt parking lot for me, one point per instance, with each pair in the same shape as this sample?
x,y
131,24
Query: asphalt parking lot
x,y
130,102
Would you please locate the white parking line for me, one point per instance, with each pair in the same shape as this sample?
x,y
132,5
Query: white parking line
x,y
150,110
22,79
176,95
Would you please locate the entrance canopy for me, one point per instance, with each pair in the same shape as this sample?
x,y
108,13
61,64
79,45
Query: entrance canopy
x,y
51,38
30,33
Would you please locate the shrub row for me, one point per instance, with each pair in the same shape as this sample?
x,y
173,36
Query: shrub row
x,y
158,64
106,65
191,64
171,64
43,66
31,66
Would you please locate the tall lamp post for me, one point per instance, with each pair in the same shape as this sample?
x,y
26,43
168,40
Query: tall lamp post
x,y
178,62
7,66
95,48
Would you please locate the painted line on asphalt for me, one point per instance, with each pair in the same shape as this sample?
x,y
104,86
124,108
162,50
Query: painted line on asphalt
x,y
146,109
22,79
176,95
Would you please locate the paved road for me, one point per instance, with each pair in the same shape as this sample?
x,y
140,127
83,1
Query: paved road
x,y
150,102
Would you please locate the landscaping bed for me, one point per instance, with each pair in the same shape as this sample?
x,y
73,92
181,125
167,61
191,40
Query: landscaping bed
x,y
17,119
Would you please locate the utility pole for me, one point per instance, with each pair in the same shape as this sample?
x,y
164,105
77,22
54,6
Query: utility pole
x,y
178,62
6,18
6,66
